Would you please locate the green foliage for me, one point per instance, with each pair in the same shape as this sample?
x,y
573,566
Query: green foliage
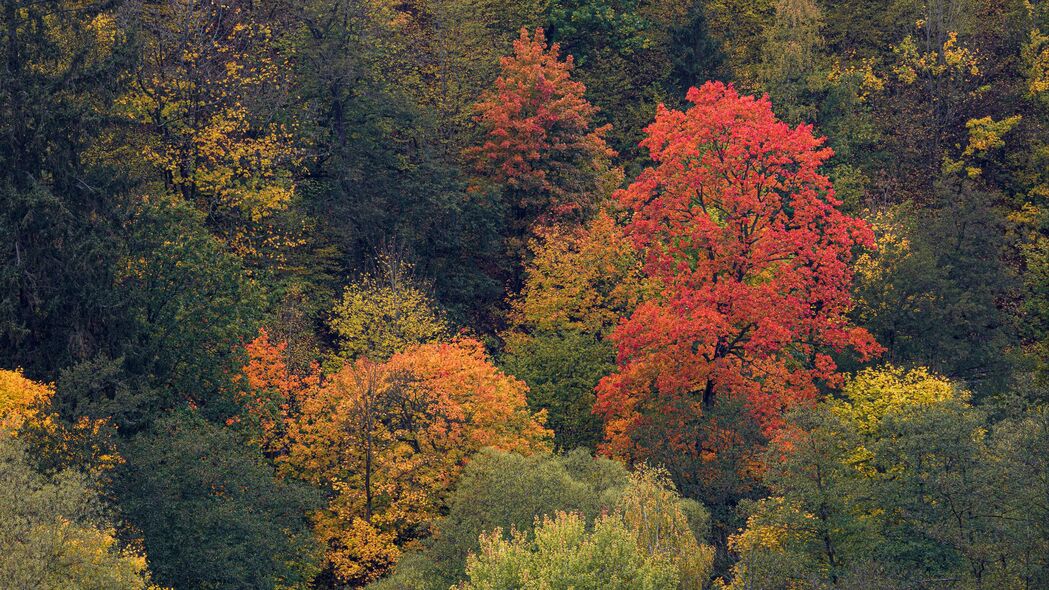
x,y
59,235
940,272
191,303
210,511
792,68
582,25
52,534
561,370
668,526
563,554
810,526
925,492
509,491
695,54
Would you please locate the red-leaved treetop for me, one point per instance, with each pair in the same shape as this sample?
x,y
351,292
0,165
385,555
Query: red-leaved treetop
x,y
539,145
744,234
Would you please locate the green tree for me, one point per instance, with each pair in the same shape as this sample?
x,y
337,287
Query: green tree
x,y
577,286
792,68
933,293
564,554
59,234
210,511
508,491
812,526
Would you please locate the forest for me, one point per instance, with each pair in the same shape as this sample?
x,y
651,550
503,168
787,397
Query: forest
x,y
524,294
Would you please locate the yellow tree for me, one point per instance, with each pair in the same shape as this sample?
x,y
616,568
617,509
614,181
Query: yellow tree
x,y
206,99
582,279
390,439
26,413
579,284
873,394
21,400
384,313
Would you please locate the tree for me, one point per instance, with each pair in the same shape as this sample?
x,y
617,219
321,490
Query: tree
x,y
695,54
667,525
52,535
935,291
59,232
191,307
209,115
269,393
390,439
578,285
812,526
743,233
21,400
508,491
665,528
791,70
383,314
540,153
210,511
27,412
564,554
1018,474
892,485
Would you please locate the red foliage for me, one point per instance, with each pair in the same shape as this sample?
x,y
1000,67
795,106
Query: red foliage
x,y
744,234
538,138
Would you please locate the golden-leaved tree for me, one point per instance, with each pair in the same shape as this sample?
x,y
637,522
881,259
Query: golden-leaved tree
x,y
207,103
389,439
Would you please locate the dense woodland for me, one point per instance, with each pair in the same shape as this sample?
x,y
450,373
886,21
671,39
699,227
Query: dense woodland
x,y
524,294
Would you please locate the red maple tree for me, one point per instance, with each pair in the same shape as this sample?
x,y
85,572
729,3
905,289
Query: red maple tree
x,y
539,144
744,234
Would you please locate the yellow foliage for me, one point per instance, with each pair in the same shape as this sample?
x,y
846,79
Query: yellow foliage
x,y
873,394
357,549
21,400
1035,55
985,134
870,81
86,44
951,59
584,280
766,546
876,268
25,410
205,72
383,314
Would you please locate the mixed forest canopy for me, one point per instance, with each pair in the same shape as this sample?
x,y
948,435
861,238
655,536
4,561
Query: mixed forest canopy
x,y
524,294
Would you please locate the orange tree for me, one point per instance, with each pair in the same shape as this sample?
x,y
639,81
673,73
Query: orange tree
x,y
389,440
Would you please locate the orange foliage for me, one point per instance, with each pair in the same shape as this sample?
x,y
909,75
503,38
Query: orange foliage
x,y
269,390
390,439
